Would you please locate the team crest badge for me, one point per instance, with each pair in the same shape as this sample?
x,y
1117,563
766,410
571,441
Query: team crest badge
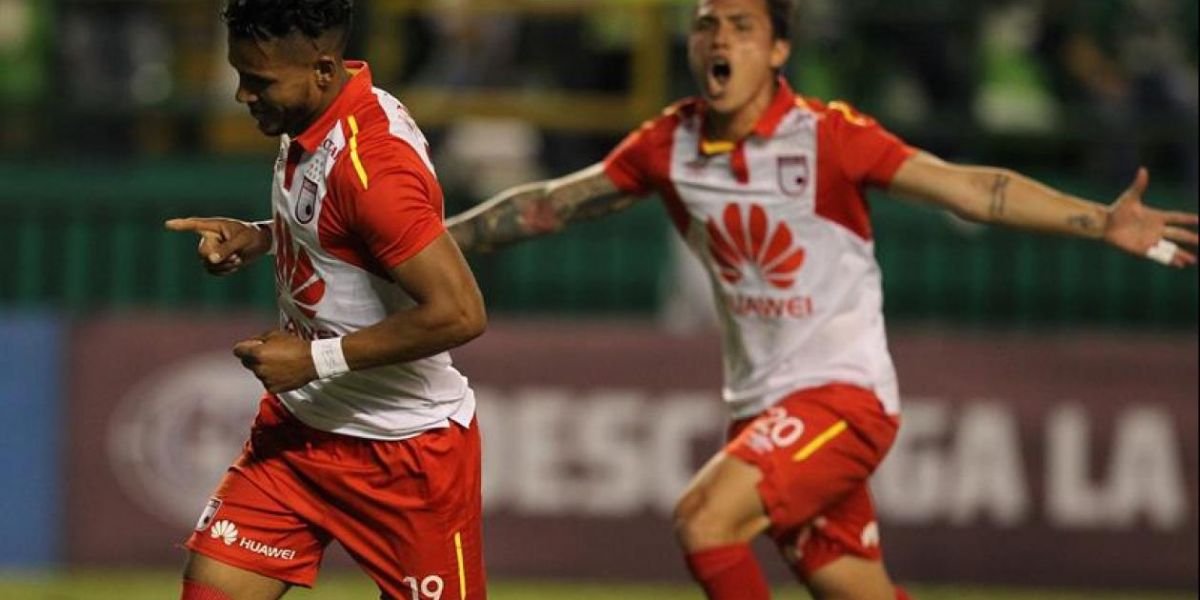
x,y
795,173
210,511
306,205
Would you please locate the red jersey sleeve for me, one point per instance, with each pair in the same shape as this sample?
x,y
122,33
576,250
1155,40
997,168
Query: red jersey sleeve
x,y
390,202
868,153
641,163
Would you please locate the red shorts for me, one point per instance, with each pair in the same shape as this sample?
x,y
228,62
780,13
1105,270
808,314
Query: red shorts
x,y
408,511
816,449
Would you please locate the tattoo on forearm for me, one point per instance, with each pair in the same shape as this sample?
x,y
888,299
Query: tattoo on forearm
x,y
999,196
602,205
588,198
502,224
1082,222
540,209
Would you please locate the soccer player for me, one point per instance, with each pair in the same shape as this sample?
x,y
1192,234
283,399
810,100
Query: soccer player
x,y
767,188
367,433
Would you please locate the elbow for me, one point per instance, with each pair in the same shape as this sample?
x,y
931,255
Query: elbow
x,y
971,214
475,323
468,323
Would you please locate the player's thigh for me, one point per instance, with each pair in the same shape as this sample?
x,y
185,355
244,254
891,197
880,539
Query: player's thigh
x,y
811,456
415,526
721,504
432,560
851,578
238,584
838,554
268,534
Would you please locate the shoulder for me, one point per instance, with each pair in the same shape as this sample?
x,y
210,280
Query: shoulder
x,y
658,132
835,113
687,108
380,120
671,117
382,139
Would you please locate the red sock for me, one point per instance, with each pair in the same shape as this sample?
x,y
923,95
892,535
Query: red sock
x,y
193,590
729,573
901,594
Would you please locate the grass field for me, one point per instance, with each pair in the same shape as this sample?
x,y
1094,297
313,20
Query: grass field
x,y
164,585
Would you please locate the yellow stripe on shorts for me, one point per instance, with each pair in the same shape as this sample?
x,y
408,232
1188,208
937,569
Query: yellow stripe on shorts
x,y
462,571
819,441
362,173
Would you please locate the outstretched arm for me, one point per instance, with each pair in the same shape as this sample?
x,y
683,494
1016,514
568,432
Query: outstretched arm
x,y
537,209
1001,196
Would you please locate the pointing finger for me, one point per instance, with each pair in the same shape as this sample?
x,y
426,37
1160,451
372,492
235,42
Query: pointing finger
x,y
193,224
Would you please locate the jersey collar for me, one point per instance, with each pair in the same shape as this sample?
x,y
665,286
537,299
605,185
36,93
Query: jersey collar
x,y
768,122
358,87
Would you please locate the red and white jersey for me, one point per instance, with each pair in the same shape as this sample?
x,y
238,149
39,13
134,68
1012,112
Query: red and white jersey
x,y
781,224
354,196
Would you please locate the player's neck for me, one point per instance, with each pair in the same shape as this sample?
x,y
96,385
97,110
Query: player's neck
x,y
331,93
736,125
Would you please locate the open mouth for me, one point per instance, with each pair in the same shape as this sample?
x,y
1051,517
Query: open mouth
x,y
720,71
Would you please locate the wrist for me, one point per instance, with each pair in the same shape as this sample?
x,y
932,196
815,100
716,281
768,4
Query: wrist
x,y
1104,217
265,235
328,358
1090,223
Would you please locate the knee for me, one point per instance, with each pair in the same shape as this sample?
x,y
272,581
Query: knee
x,y
700,525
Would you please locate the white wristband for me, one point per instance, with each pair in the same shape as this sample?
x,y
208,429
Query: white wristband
x,y
328,358
1163,251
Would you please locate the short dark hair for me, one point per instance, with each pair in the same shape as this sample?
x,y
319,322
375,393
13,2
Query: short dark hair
x,y
781,17
267,19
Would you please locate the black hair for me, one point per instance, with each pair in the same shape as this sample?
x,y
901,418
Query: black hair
x,y
781,18
268,19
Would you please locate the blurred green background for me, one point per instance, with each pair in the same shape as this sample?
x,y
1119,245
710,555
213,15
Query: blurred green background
x,y
118,115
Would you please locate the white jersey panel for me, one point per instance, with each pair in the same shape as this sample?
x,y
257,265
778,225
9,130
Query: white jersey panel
x,y
401,125
799,296
322,296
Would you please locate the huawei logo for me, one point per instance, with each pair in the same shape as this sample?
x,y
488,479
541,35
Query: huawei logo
x,y
295,278
747,245
870,535
225,531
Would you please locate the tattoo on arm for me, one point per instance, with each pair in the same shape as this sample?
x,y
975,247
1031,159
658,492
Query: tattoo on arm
x,y
589,199
1086,223
537,209
999,196
496,222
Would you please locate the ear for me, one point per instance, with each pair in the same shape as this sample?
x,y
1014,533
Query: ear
x,y
325,69
780,50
